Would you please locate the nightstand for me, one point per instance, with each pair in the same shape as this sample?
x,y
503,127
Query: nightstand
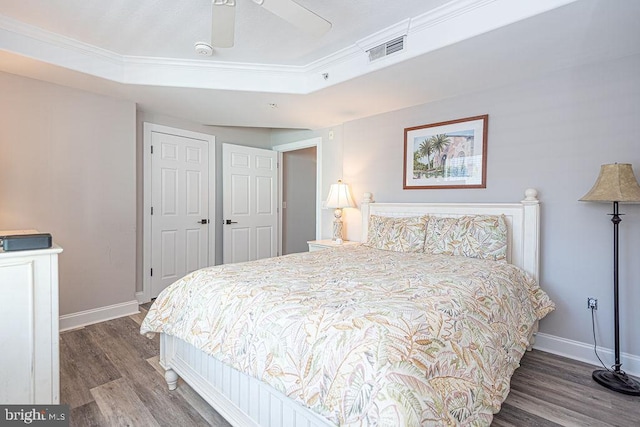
x,y
318,245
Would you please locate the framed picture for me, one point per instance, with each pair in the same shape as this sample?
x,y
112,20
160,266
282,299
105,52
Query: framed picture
x,y
450,154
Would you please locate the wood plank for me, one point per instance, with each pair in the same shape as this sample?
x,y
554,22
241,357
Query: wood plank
x,y
570,370
594,402
147,305
139,317
552,412
579,374
511,416
88,415
126,353
121,406
83,367
127,330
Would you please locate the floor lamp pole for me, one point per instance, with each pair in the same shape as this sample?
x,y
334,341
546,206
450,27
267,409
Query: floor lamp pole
x,y
616,380
615,219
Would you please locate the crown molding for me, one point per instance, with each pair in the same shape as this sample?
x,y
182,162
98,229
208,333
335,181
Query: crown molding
x,y
445,13
55,40
215,75
469,17
383,36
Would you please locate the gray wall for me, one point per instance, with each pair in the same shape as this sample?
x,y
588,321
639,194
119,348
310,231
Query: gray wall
x,y
552,134
299,193
67,166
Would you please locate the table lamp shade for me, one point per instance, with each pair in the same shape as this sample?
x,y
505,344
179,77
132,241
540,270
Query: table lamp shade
x,y
616,183
340,196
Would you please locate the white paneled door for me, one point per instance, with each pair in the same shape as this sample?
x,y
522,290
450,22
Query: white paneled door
x,y
250,195
180,208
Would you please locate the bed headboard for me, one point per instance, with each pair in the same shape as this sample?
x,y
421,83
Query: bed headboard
x,y
523,222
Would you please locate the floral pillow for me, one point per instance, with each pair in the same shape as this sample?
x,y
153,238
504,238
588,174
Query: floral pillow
x,y
400,234
476,236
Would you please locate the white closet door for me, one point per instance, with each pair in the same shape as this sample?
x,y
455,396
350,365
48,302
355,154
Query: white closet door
x,y
180,218
250,196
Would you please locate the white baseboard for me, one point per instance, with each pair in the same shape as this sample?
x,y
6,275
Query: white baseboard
x,y
96,315
584,352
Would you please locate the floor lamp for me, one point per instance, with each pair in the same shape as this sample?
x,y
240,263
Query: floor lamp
x,y
616,183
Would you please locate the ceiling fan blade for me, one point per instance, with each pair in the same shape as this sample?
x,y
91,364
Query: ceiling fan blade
x,y
297,15
223,23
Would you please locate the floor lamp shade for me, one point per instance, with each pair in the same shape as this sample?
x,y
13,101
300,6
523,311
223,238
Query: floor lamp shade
x,y
339,197
615,184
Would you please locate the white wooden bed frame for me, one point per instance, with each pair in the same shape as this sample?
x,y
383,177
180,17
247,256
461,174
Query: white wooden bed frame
x,y
245,401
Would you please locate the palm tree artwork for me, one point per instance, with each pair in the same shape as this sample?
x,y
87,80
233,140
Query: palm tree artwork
x,y
446,155
430,150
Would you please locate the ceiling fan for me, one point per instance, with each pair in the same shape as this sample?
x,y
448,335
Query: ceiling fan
x,y
224,16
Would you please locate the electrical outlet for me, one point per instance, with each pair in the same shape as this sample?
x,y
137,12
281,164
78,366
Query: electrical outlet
x,y
592,303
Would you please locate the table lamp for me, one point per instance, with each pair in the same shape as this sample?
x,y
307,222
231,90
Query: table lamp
x,y
339,197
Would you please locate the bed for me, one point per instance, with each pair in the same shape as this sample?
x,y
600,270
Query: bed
x,y
379,333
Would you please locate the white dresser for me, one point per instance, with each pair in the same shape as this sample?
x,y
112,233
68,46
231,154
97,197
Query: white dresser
x,y
29,342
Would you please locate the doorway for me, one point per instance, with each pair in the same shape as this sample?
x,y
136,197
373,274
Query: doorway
x,y
298,199
310,189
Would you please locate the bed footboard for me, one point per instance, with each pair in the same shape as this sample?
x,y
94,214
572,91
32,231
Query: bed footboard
x,y
240,399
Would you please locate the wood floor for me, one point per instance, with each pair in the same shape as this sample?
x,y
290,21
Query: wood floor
x,y
110,376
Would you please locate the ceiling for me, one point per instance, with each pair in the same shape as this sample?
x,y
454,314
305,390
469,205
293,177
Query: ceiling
x,y
277,76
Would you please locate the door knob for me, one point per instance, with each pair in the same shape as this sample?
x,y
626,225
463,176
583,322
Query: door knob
x,y
203,221
230,222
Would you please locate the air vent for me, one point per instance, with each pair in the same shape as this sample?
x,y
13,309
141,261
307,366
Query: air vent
x,y
386,49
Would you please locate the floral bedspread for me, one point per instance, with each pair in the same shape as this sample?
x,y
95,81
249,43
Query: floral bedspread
x,y
364,336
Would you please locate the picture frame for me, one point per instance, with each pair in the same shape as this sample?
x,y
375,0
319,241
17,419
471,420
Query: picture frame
x,y
443,155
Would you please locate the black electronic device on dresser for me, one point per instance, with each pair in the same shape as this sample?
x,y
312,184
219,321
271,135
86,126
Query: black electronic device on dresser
x,y
25,242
